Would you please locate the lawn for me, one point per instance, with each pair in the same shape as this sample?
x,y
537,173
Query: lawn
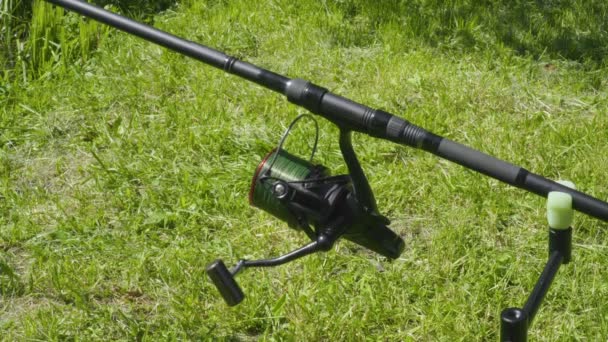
x,y
125,170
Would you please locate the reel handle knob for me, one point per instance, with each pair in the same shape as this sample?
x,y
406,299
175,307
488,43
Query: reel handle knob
x,y
225,283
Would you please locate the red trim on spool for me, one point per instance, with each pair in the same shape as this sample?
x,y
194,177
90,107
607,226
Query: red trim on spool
x,y
256,174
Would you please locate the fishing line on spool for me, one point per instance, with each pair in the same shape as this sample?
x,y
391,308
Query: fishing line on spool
x,y
282,176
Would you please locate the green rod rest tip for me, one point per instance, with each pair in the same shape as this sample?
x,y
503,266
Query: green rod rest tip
x,y
559,208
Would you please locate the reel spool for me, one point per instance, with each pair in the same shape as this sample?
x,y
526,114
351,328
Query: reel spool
x,y
304,194
273,182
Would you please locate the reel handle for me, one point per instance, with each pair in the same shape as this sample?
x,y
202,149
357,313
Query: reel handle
x,y
224,281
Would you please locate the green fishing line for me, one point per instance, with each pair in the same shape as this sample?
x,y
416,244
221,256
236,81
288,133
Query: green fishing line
x,y
278,164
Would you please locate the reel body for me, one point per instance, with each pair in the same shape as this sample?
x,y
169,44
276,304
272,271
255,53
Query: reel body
x,y
304,195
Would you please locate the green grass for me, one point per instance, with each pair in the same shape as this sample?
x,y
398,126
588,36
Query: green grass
x,y
124,173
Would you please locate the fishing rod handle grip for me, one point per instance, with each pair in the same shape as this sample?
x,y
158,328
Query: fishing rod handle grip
x,y
354,116
480,162
518,176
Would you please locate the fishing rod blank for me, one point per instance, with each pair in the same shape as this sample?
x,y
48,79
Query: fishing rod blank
x,y
345,113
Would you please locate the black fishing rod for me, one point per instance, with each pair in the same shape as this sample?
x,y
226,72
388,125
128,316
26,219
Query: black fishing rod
x,y
305,194
345,113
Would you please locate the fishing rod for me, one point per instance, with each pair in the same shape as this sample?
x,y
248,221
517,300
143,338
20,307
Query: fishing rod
x,y
347,114
304,194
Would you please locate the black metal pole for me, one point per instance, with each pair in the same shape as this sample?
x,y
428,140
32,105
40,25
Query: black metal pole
x,y
347,114
560,252
542,286
514,322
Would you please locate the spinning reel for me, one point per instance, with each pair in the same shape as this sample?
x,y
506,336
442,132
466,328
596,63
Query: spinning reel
x,y
308,198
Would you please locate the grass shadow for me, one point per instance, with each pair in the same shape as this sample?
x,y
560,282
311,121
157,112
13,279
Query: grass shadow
x,y
574,30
